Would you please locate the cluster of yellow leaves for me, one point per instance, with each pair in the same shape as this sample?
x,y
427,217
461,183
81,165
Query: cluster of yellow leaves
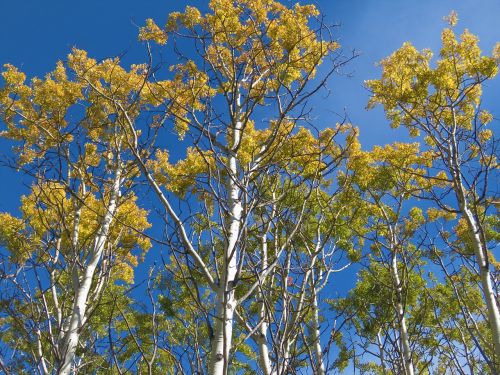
x,y
263,38
490,160
91,157
485,117
109,89
434,214
299,154
414,220
251,142
186,94
13,236
496,52
296,152
35,112
113,86
441,179
410,89
129,222
452,18
48,212
464,235
182,176
107,76
152,32
399,167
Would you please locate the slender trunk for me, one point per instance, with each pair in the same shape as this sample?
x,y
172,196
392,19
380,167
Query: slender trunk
x,y
226,301
381,353
484,271
478,239
403,331
41,359
320,366
285,344
223,326
79,309
405,343
223,331
264,360
286,357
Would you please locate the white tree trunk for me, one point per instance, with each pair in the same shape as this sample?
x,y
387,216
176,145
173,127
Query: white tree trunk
x,y
320,366
285,342
403,330
223,325
381,353
488,292
478,239
405,342
223,331
264,360
78,317
225,302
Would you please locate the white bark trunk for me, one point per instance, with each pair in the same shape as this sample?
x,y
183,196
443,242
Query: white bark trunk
x,y
403,330
78,316
405,343
478,240
264,360
381,353
223,331
320,366
225,303
289,322
488,292
286,358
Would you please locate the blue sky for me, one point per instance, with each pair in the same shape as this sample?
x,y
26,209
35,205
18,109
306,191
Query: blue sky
x,y
35,34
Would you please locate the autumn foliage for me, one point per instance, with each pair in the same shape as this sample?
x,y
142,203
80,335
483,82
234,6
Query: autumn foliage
x,y
255,211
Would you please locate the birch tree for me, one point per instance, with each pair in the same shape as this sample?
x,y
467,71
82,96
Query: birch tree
x,y
285,320
254,60
463,338
443,103
464,318
79,224
383,192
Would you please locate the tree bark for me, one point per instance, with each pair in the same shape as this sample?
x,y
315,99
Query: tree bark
x,y
320,366
381,353
223,331
478,238
484,271
78,315
403,330
225,300
264,360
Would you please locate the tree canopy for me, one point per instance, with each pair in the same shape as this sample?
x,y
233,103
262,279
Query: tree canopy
x,y
209,155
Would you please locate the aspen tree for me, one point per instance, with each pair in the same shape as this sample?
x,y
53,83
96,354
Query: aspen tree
x,y
253,59
80,222
443,104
